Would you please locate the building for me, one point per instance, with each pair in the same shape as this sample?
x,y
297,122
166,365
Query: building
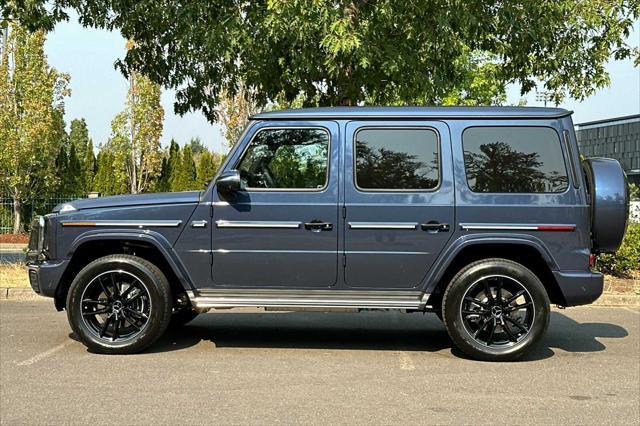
x,y
617,138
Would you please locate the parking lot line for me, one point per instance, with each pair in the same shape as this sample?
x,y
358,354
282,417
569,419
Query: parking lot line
x,y
406,363
42,355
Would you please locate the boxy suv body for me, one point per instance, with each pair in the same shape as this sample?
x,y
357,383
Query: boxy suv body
x,y
485,216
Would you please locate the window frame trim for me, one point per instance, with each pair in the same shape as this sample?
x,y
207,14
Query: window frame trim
x,y
388,190
261,129
560,144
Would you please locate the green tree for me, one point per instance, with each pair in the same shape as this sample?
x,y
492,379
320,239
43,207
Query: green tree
x,y
207,166
79,136
169,163
233,112
355,51
183,176
106,180
89,167
31,107
73,176
135,134
197,147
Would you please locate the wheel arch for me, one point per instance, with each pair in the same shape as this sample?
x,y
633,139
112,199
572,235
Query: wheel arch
x,y
93,245
528,252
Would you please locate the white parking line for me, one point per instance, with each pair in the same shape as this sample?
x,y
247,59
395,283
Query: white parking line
x,y
45,354
406,363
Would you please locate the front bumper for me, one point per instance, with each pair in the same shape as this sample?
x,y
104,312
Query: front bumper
x,y
44,276
579,287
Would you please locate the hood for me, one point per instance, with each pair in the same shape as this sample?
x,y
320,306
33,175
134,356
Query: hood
x,y
130,200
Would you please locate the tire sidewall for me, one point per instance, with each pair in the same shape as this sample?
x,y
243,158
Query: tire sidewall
x,y
454,298
158,292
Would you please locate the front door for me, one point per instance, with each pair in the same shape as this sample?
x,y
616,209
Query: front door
x,y
281,229
399,200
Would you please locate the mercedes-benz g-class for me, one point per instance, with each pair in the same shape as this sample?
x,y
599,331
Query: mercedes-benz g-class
x,y
485,216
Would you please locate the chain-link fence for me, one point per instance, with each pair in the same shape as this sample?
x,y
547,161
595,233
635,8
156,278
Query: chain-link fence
x,y
30,209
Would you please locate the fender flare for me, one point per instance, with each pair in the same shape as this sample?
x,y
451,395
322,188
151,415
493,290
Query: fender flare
x,y
154,238
448,256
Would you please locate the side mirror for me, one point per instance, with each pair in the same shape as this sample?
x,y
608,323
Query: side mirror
x,y
228,182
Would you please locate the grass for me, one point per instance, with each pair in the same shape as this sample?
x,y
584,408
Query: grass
x,y
13,275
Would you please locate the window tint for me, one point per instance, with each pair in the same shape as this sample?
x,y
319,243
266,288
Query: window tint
x,y
396,159
514,159
286,159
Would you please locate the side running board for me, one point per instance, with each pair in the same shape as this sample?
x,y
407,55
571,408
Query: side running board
x,y
329,299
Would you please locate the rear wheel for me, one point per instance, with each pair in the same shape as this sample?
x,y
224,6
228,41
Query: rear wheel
x,y
495,310
119,304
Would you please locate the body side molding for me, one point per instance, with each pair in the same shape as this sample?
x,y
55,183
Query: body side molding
x,y
123,223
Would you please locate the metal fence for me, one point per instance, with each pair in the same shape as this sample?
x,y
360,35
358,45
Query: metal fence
x,y
30,209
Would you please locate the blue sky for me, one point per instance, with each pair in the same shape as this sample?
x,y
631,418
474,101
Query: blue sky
x,y
98,90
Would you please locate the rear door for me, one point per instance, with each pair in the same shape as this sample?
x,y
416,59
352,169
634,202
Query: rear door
x,y
281,229
399,201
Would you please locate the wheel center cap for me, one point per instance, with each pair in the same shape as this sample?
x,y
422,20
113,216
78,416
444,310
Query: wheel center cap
x,y
116,307
496,311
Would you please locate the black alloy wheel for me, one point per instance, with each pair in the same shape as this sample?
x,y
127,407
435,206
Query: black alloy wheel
x,y
495,309
119,304
116,305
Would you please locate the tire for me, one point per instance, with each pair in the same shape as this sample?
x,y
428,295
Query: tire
x,y
480,321
182,317
119,304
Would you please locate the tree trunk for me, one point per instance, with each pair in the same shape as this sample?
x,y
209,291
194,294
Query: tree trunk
x,y
133,171
17,218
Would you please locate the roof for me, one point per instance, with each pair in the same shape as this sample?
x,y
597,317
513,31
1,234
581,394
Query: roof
x,y
611,121
412,112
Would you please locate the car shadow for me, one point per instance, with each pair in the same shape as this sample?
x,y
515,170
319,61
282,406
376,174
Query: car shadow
x,y
363,331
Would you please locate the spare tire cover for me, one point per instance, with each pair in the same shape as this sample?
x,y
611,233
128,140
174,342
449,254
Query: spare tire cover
x,y
609,199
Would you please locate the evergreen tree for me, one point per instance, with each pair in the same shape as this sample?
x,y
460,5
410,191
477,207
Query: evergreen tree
x,y
206,167
183,177
163,184
79,136
89,168
74,174
62,165
105,181
197,147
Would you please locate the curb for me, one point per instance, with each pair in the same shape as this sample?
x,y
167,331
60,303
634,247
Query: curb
x,y
13,293
11,247
607,299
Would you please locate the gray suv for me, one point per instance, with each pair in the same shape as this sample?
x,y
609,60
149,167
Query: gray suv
x,y
484,216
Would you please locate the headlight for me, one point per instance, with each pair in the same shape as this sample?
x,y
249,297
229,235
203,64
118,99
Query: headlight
x,y
36,239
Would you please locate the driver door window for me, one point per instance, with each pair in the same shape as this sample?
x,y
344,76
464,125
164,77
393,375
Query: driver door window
x,y
286,159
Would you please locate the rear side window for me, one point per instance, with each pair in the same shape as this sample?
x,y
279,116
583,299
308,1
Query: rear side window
x,y
286,159
514,159
396,159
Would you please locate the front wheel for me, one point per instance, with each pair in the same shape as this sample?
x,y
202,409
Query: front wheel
x,y
119,304
495,310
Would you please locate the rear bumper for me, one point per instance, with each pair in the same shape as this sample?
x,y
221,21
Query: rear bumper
x,y
45,276
579,287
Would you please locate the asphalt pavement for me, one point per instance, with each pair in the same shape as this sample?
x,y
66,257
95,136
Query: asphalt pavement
x,y
259,367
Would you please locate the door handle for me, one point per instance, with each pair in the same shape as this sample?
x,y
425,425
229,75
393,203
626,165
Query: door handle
x,y
434,227
318,225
